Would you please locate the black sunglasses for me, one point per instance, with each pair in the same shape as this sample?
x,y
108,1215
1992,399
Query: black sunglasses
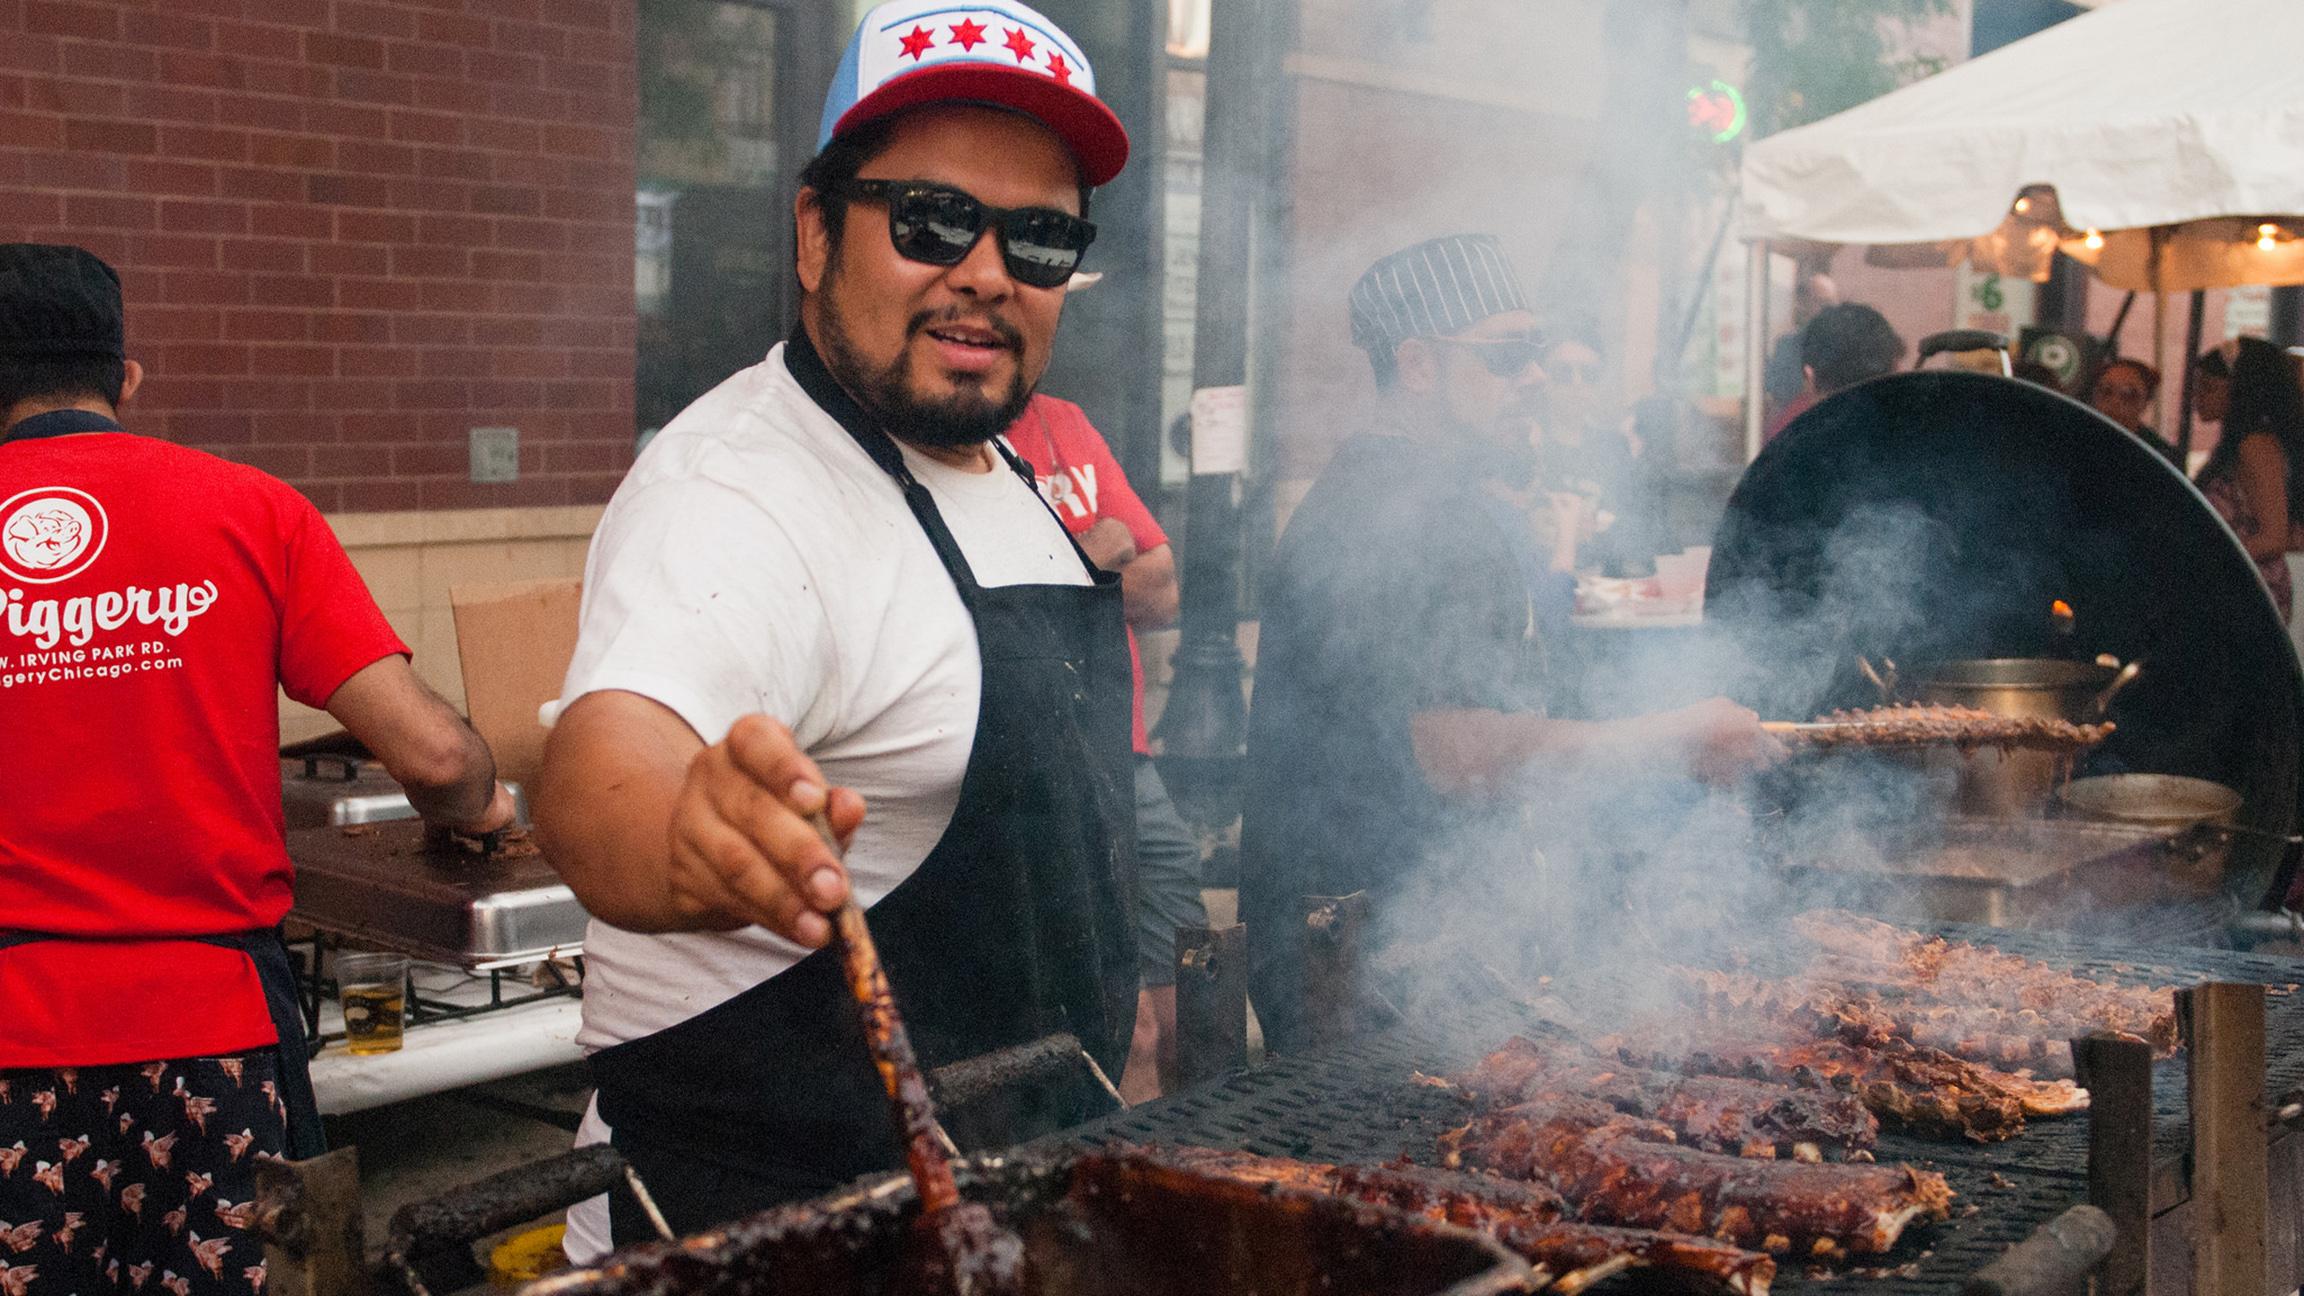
x,y
1505,357
938,225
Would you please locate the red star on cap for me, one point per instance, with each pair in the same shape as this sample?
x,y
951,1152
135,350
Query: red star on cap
x,y
967,34
1019,45
917,43
1058,69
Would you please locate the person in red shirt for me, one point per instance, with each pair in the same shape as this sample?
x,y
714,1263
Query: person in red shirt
x,y
153,599
1083,483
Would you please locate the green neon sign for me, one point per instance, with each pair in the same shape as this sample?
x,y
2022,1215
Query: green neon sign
x,y
1717,110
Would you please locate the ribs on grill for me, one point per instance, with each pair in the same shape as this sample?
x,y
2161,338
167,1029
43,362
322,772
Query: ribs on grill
x,y
1526,1217
2008,1039
1621,1170
1859,951
1731,1115
1922,1091
1925,725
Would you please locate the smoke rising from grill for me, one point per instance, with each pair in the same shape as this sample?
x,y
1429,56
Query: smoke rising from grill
x,y
1620,863
1621,869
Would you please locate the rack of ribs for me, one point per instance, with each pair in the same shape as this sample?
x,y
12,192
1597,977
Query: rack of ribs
x,y
1526,1217
1862,952
1624,1171
1730,1115
1919,1090
2009,1039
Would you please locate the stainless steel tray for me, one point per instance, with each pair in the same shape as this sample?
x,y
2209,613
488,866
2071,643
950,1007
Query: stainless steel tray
x,y
379,883
2012,873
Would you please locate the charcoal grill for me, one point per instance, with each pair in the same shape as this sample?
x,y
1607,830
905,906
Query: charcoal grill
x,y
1356,1103
1093,1224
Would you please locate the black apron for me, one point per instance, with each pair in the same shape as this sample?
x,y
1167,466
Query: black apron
x,y
263,948
1017,924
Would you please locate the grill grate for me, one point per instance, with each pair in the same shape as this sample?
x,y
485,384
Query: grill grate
x,y
1359,1104
2060,1147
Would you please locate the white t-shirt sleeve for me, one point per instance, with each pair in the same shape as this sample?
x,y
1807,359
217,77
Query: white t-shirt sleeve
x,y
696,597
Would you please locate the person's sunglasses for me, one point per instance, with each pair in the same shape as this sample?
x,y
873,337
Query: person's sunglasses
x,y
1504,357
938,225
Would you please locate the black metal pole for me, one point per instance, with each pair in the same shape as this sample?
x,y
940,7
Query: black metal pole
x,y
2191,353
2120,319
1204,727
2064,298
2286,326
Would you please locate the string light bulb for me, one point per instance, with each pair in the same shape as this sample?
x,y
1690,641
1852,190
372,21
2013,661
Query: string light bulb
x,y
2267,237
2023,206
2093,240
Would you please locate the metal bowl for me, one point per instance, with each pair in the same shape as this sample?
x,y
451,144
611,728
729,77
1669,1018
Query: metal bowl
x,y
2037,686
2161,800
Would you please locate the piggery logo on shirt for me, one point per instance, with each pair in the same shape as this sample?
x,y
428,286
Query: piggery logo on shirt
x,y
50,533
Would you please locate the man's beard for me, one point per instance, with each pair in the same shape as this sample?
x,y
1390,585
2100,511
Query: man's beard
x,y
963,418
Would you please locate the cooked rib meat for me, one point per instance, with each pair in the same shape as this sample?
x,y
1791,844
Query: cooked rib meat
x,y
1987,1035
1526,1217
1920,1090
1911,724
1861,952
1615,1174
1735,1116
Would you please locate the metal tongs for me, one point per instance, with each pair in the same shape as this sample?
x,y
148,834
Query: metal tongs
x,y
1883,680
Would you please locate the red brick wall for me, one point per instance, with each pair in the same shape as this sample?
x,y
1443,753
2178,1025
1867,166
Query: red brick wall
x,y
349,230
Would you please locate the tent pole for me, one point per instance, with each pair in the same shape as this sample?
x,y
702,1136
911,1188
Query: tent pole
x,y
2160,356
1755,346
2112,335
2159,329
2191,349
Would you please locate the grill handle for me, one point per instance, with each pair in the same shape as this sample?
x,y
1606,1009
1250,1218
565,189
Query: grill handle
x,y
971,1080
347,766
2054,1261
433,1239
1963,340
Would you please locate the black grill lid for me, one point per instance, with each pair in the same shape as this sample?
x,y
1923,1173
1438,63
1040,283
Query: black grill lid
x,y
1934,516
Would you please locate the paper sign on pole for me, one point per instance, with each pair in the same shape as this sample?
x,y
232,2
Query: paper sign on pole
x,y
1997,303
1219,430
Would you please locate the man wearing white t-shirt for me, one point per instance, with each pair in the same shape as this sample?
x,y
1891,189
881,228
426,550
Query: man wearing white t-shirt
x,y
826,586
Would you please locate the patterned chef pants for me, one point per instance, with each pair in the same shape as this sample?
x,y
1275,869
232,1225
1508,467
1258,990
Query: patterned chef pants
x,y
136,1178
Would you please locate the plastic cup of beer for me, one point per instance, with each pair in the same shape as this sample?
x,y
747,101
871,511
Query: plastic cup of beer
x,y
373,988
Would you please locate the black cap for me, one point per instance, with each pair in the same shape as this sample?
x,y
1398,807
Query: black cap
x,y
58,301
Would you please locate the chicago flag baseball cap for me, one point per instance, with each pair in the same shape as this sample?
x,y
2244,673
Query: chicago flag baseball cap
x,y
911,52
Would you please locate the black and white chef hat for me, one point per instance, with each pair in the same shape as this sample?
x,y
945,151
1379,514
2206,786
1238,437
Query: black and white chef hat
x,y
1432,289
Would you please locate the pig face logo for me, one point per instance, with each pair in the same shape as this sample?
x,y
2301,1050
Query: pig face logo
x,y
50,534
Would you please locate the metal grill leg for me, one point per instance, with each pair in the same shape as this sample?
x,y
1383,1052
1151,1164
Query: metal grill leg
x,y
2231,1170
1211,1002
2117,1073
1333,933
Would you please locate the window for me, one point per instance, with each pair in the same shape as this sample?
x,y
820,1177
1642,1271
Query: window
x,y
712,247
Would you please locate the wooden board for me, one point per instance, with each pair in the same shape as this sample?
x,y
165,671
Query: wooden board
x,y
515,639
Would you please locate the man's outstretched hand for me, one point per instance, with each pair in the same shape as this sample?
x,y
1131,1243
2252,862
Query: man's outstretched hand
x,y
743,849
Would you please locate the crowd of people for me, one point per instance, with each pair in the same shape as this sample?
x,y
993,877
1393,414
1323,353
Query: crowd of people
x,y
2250,389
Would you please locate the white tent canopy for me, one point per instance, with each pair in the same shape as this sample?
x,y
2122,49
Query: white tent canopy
x,y
2143,113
